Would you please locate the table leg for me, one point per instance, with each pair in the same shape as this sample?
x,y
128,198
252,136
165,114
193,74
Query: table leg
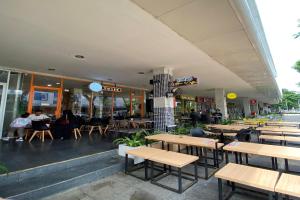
x,y
126,163
197,151
214,157
236,158
179,181
162,145
241,159
286,163
205,163
220,189
146,142
217,154
276,163
247,160
146,169
226,157
151,171
187,150
168,147
192,150
178,148
273,163
232,186
196,170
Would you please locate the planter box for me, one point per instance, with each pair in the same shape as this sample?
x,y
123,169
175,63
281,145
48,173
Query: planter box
x,y
122,152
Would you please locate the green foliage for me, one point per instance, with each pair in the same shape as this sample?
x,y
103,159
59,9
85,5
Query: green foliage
x,y
227,121
181,130
3,169
289,100
297,66
136,139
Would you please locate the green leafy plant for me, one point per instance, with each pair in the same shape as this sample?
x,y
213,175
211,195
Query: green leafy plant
x,y
227,121
136,139
181,130
3,169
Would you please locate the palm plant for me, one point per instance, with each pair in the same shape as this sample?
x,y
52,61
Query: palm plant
x,y
136,139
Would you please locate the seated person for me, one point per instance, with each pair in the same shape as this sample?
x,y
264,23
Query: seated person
x,y
64,125
19,124
38,116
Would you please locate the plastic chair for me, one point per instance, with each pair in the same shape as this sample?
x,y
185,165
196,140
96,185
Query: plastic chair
x,y
39,129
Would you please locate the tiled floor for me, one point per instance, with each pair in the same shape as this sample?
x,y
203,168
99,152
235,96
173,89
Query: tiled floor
x,y
17,156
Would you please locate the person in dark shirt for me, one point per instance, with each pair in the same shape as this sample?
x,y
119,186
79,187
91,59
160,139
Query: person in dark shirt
x,y
194,117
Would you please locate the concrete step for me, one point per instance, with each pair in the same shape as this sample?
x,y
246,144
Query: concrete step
x,y
43,181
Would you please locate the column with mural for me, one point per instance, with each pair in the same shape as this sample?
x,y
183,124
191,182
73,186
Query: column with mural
x,y
163,105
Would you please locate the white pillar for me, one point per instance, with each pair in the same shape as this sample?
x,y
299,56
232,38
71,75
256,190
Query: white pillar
x,y
220,100
246,106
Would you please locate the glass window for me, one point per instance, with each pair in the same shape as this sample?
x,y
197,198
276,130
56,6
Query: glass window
x,y
17,97
122,103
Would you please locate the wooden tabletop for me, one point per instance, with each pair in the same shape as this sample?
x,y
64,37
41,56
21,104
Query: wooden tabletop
x,y
144,152
250,176
288,184
185,140
225,134
271,137
228,127
173,158
284,152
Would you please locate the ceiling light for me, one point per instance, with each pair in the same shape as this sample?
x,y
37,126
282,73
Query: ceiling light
x,y
66,90
51,69
109,79
49,85
57,83
79,56
141,72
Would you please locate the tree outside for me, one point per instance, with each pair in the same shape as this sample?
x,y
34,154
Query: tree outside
x,y
290,100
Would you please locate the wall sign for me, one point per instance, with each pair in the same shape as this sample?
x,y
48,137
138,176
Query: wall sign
x,y
253,101
231,95
184,81
111,89
95,87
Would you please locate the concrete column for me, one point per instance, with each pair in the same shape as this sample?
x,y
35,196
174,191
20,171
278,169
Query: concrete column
x,y
220,99
246,106
163,106
255,108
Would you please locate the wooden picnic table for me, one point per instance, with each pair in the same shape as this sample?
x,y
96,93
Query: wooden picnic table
x,y
228,127
172,159
205,143
248,176
280,131
273,151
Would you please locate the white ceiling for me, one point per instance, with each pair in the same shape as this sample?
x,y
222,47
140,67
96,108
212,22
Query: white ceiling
x,y
119,39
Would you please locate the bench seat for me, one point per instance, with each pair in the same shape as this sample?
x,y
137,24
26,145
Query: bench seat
x,y
288,184
248,176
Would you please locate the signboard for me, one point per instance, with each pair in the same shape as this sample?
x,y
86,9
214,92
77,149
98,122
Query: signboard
x,y
253,101
111,89
184,81
185,97
95,87
231,95
204,99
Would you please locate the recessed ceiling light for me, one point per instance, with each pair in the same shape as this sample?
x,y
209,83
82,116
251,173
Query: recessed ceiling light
x,y
66,90
51,69
109,79
49,85
141,72
57,83
79,56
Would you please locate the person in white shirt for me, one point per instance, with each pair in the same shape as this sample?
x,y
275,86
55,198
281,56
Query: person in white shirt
x,y
38,116
19,124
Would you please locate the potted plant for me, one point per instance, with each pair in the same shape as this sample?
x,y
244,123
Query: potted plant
x,y
3,169
127,143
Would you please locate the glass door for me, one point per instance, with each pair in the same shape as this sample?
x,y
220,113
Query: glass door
x,y
47,99
3,92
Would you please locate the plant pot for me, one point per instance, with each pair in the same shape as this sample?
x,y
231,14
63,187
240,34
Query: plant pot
x,y
124,148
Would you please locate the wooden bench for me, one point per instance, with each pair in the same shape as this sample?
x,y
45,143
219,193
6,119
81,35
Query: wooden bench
x,y
288,185
249,176
177,160
282,139
141,152
225,134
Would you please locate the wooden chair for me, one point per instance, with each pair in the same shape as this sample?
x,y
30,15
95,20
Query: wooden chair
x,y
77,133
39,129
95,124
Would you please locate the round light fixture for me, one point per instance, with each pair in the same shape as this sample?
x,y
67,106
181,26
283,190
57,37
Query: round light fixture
x,y
57,83
51,69
79,56
49,85
95,87
231,95
141,72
